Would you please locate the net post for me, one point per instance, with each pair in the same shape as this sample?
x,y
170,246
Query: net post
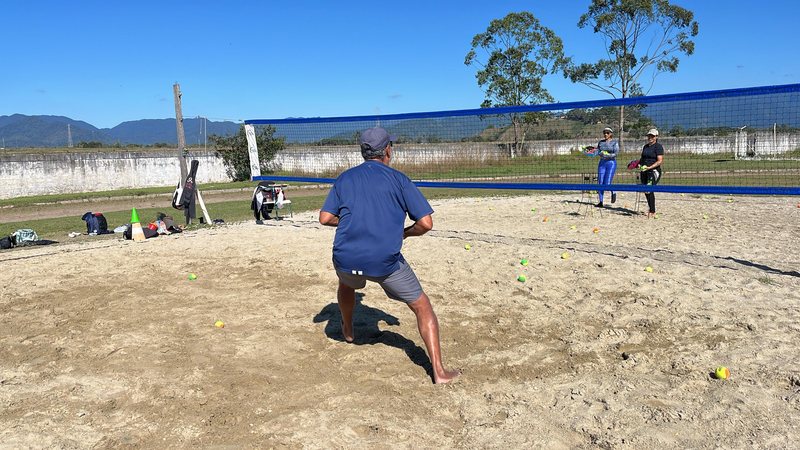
x,y
252,151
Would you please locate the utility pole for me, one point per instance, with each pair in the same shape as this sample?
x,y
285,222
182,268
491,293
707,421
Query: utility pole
x,y
176,89
189,210
203,131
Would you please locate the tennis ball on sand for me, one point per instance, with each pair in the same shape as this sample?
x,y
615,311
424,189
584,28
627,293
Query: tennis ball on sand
x,y
192,277
722,373
467,246
565,255
545,219
595,230
648,269
573,227
219,324
524,262
522,278
705,216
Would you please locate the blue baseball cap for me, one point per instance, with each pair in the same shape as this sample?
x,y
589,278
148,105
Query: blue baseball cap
x,y
374,141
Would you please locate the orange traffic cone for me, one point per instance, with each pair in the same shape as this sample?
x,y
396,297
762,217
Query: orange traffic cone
x,y
136,228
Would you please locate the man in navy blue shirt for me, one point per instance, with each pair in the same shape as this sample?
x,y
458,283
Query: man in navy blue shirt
x,y
368,205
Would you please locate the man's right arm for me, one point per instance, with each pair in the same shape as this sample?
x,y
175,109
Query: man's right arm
x,y
420,227
328,219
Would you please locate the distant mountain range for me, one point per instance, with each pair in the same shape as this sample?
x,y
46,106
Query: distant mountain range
x,y
19,130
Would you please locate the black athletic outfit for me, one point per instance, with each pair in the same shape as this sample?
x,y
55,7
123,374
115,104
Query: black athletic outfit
x,y
650,153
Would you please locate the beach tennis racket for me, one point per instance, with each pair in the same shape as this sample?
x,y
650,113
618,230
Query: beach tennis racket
x,y
589,150
633,164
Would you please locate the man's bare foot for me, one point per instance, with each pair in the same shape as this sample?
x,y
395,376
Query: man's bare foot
x,y
348,333
446,377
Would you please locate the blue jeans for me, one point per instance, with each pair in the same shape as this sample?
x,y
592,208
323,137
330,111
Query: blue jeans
x,y
605,173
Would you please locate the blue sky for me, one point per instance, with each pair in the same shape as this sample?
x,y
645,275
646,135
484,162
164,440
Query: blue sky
x,y
106,62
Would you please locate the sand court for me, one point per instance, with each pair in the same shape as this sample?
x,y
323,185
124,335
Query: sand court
x,y
109,344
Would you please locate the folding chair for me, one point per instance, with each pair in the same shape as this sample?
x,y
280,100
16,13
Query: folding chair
x,y
269,198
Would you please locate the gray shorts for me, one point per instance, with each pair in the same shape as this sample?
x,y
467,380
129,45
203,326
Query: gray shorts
x,y
402,284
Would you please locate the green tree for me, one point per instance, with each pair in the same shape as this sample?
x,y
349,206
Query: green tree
x,y
233,151
89,144
605,115
516,52
642,37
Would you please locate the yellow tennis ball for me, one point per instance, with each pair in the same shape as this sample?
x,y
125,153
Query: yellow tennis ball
x,y
522,278
467,246
192,277
219,324
648,269
524,262
722,373
565,255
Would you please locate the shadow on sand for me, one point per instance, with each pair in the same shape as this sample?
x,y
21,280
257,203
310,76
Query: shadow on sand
x,y
367,332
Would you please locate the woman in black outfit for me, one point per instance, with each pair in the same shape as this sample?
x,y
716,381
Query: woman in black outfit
x,y
650,164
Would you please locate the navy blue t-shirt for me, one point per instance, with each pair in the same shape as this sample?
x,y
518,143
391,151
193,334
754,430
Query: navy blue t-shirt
x,y
371,201
650,153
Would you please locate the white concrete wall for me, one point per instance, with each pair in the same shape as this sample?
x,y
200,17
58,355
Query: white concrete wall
x,y
23,174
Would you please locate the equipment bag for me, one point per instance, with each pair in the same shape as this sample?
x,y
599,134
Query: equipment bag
x,y
23,236
176,196
102,223
148,233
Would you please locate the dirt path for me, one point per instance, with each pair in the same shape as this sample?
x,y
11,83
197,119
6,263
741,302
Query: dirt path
x,y
109,204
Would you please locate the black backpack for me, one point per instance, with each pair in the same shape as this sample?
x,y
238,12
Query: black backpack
x,y
6,243
102,223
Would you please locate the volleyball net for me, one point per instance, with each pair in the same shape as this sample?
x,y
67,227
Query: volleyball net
x,y
737,141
